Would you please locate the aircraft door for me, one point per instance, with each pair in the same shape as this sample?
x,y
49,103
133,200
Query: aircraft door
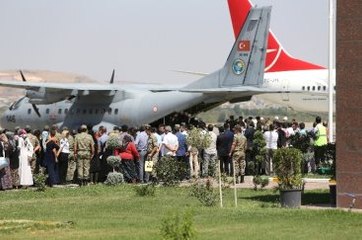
x,y
285,87
53,113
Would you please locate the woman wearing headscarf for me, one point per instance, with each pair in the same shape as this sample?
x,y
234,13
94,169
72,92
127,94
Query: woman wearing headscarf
x,y
26,152
5,173
14,151
128,154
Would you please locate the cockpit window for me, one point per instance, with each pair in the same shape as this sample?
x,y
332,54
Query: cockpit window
x,y
16,104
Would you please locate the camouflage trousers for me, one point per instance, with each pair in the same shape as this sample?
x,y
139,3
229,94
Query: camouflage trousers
x,y
33,167
154,159
239,163
83,165
194,164
72,166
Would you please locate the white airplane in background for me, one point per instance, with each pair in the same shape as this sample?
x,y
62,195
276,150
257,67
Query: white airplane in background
x,y
282,71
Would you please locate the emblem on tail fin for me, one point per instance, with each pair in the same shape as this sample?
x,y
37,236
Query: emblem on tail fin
x,y
238,66
244,46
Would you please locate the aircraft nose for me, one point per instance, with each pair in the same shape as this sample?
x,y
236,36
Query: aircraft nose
x,y
2,119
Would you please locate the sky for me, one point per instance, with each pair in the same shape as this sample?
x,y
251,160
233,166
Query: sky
x,y
144,40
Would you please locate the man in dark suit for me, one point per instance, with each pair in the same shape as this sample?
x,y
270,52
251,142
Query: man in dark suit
x,y
223,146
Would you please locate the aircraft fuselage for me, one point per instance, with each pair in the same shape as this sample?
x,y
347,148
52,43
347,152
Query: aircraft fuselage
x,y
134,109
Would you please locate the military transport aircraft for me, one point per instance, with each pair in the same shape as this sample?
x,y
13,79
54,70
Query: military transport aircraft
x,y
98,104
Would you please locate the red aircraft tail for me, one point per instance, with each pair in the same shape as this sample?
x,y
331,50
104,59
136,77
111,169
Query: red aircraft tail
x,y
277,58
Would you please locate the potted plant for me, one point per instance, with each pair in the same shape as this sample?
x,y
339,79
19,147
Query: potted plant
x,y
287,168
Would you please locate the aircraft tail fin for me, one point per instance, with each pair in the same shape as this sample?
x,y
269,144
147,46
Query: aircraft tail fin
x,y
245,64
277,58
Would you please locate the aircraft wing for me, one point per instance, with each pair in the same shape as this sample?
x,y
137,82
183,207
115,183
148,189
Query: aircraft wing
x,y
244,89
47,93
61,86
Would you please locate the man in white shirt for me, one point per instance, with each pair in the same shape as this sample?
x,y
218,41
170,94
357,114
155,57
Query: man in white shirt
x,y
169,143
210,154
271,139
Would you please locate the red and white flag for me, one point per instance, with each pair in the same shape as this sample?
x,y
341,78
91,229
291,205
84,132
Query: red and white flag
x,y
244,46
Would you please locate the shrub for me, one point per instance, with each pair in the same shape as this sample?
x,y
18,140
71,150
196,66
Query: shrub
x,y
225,182
168,171
178,228
145,190
204,193
113,142
114,178
259,180
114,161
40,181
197,139
259,146
287,162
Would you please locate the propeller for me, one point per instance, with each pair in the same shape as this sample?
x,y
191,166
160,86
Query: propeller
x,y
36,109
112,77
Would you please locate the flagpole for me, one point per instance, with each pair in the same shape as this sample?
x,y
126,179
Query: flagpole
x,y
331,69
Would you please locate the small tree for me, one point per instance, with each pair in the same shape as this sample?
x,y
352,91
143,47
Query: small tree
x,y
114,162
287,168
198,139
113,142
114,178
176,227
204,193
40,181
259,150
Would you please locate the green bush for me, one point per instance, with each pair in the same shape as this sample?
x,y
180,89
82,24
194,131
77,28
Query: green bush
x,y
168,171
259,146
197,139
114,161
114,178
175,227
287,167
259,180
40,181
145,190
113,142
204,193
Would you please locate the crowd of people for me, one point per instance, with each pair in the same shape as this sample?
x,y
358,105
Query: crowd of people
x,y
80,157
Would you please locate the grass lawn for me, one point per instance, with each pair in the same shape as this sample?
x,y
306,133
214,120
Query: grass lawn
x,y
101,212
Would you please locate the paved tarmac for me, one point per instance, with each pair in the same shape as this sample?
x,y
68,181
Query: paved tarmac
x,y
310,183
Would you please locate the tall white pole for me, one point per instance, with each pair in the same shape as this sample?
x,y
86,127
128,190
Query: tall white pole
x,y
235,192
331,67
220,188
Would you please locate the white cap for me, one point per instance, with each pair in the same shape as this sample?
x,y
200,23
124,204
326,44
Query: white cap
x,y
276,118
285,118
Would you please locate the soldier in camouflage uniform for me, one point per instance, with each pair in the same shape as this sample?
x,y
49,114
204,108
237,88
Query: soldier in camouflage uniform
x,y
71,160
36,147
152,148
83,153
58,136
237,152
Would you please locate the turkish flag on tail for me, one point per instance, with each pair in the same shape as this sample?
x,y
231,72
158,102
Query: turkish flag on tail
x,y
244,46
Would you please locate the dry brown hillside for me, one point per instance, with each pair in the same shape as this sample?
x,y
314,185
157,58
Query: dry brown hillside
x,y
8,95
